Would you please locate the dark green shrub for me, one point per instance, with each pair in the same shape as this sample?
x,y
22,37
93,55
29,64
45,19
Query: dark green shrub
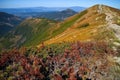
x,y
84,25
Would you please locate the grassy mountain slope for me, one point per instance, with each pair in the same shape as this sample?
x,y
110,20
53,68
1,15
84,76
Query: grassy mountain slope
x,y
90,60
8,22
29,32
99,22
91,24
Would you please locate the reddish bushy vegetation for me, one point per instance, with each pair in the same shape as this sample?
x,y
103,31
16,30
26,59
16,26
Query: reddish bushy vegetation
x,y
82,61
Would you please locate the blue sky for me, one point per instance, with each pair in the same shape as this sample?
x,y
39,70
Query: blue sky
x,y
56,3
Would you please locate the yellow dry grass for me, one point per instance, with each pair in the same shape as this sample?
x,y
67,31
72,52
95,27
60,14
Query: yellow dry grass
x,y
74,33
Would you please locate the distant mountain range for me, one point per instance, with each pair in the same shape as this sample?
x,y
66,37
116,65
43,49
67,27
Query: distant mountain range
x,y
54,15
39,9
8,22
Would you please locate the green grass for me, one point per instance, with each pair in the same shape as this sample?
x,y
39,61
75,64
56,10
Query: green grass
x,y
68,23
105,34
57,48
5,43
84,25
31,31
115,71
41,33
34,31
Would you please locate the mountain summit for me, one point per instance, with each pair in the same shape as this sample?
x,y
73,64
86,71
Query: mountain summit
x,y
99,22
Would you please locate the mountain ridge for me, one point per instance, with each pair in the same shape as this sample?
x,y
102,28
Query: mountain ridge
x,y
54,15
88,25
39,9
93,18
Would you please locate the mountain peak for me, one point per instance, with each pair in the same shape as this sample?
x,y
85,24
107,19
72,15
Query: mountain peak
x,y
89,24
68,11
100,8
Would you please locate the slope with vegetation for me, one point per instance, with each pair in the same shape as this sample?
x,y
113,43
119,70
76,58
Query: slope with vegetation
x,y
8,22
29,33
91,24
60,55
68,61
96,23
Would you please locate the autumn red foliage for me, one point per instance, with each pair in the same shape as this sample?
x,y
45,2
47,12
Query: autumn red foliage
x,y
83,61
